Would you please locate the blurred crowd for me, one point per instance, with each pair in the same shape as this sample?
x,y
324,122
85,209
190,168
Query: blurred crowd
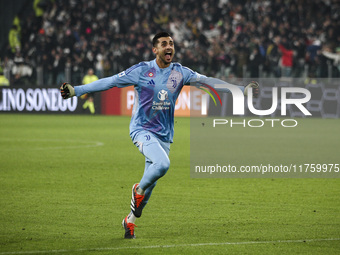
x,y
221,38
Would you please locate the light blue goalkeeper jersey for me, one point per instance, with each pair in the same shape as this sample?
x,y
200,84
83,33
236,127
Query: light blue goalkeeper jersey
x,y
156,92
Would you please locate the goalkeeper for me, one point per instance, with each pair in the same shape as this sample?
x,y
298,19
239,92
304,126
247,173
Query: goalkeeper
x,y
156,83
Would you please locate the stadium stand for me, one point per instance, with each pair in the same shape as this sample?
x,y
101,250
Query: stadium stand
x,y
60,40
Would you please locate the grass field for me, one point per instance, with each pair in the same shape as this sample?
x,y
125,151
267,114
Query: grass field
x,y
65,187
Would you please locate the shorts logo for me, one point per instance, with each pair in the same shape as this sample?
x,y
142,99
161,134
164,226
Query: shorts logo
x,y
162,95
147,137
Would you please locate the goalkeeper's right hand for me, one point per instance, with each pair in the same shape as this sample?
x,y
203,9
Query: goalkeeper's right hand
x,y
255,87
67,91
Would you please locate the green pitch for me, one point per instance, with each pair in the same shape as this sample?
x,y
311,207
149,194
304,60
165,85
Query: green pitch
x,y
65,186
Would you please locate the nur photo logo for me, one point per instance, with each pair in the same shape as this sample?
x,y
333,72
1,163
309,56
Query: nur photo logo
x,y
281,99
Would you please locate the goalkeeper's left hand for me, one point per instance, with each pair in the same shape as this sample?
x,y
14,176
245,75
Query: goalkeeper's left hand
x,y
255,87
67,91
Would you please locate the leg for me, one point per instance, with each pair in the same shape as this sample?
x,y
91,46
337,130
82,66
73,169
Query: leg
x,y
160,164
156,165
129,221
148,191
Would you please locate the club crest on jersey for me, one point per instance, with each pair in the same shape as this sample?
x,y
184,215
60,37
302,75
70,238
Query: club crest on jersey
x,y
150,73
174,81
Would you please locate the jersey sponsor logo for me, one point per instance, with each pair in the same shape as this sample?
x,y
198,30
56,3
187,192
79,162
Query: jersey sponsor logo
x,y
162,95
163,104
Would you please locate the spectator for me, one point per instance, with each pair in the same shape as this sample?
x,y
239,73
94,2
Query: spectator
x,y
14,39
272,60
333,56
47,70
324,62
89,98
84,28
242,60
21,71
58,67
299,60
3,80
255,60
311,57
286,57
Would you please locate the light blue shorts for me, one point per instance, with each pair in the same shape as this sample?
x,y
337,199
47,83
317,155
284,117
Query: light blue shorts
x,y
146,138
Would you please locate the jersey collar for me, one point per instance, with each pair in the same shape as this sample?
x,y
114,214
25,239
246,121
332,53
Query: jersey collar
x,y
162,69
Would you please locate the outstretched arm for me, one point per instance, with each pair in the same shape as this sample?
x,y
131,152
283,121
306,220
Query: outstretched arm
x,y
123,79
96,86
67,90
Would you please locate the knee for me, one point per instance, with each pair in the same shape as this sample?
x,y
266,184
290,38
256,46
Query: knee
x,y
163,166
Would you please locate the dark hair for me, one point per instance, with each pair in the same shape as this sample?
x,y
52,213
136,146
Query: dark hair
x,y
159,35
